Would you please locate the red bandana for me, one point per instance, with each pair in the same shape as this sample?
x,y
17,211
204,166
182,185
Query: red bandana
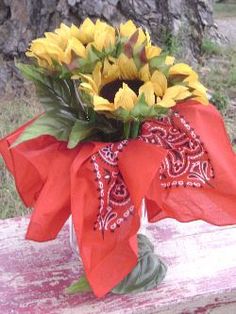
x,y
183,165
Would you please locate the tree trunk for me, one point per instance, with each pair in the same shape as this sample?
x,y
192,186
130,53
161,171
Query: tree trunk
x,y
180,25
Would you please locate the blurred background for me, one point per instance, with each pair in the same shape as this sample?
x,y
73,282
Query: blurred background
x,y
199,32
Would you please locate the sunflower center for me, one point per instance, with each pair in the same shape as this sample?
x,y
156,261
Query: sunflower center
x,y
109,90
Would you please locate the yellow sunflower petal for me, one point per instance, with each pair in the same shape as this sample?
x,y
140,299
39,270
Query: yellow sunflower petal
x,y
202,100
128,69
87,88
86,31
75,77
97,77
44,49
166,103
144,73
90,80
148,38
125,98
104,35
43,64
77,47
152,51
159,82
56,39
64,32
127,29
174,92
201,97
180,69
110,72
148,91
193,77
183,95
141,36
74,30
169,60
197,86
102,104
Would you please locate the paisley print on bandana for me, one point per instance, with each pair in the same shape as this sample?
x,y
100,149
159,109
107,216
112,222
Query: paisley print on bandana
x,y
187,163
115,205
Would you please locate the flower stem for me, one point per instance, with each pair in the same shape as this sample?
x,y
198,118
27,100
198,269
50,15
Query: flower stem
x,y
135,129
127,126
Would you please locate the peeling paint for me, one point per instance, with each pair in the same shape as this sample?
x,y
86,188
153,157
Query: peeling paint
x,y
201,277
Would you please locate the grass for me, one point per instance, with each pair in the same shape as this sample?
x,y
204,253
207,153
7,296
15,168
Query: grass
x,y
226,9
172,44
219,72
13,113
210,48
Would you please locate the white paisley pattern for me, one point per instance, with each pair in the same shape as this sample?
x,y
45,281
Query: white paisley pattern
x,y
187,163
115,205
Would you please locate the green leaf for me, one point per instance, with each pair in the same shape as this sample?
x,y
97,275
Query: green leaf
x,y
98,127
95,54
87,65
31,72
147,274
140,112
104,124
142,109
158,63
134,132
119,48
81,285
50,123
80,131
54,93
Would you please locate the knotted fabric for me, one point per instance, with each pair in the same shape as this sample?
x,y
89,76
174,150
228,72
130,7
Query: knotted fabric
x,y
183,165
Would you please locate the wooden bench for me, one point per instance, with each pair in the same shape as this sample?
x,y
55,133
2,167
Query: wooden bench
x,y
201,275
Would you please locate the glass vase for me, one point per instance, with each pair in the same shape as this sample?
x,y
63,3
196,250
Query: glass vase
x,y
142,229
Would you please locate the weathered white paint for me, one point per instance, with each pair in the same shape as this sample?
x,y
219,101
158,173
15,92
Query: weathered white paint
x,y
201,275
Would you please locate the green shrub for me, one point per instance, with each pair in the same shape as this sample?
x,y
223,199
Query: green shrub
x,y
220,100
210,48
171,43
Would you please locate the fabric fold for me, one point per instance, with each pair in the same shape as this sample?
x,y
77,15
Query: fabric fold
x,y
182,164
107,189
198,174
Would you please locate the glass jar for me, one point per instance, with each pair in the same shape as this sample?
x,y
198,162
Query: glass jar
x,y
142,229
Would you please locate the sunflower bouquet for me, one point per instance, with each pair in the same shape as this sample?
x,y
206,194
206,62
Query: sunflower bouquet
x,y
100,83
122,124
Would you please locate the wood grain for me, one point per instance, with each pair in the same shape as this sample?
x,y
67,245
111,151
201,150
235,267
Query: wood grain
x,y
201,275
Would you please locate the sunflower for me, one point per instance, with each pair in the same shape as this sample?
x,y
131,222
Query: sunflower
x,y
118,85
66,45
99,74
57,47
183,72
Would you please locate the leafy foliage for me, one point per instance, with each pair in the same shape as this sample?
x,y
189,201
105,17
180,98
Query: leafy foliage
x,y
141,111
50,123
210,48
158,63
147,274
81,285
220,100
54,93
66,116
